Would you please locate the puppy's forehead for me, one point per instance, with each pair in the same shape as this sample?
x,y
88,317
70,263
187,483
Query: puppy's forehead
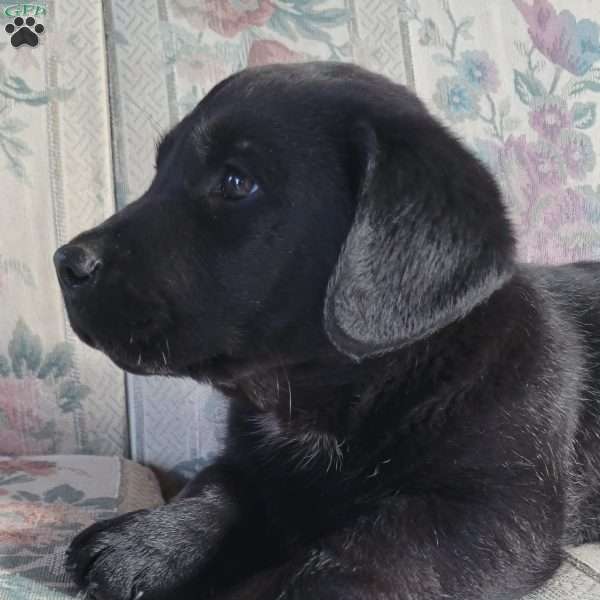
x,y
272,85
266,91
265,102
293,102
296,90
290,77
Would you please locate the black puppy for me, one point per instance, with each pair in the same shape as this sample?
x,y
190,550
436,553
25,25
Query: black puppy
x,y
414,415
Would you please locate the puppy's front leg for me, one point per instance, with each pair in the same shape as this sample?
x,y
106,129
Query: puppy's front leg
x,y
155,553
425,548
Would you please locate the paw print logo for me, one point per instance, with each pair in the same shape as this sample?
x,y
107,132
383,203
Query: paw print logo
x,y
24,32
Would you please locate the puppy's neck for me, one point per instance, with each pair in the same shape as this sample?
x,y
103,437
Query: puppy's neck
x,y
310,391
302,386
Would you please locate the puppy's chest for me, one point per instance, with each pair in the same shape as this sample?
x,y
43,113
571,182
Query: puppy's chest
x,y
333,460
300,476
296,447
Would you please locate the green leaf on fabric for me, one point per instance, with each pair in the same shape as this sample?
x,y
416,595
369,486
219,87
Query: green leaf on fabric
x,y
330,17
303,19
593,74
583,114
103,503
527,87
17,84
47,432
27,97
310,31
70,393
578,87
12,479
23,495
63,493
58,362
18,146
12,125
24,350
281,25
16,88
4,366
464,27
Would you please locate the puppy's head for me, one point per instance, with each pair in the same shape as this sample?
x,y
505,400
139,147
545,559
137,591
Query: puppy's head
x,y
297,209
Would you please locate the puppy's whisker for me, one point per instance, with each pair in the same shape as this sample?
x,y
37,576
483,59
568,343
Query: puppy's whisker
x,y
277,386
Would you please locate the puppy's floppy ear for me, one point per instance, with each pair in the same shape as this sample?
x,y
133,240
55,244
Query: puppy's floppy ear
x,y
430,239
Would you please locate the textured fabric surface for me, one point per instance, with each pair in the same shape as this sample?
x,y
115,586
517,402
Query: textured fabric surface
x,y
56,395
519,81
577,579
45,501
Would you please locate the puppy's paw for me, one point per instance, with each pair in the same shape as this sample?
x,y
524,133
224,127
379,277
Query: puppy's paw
x,y
130,557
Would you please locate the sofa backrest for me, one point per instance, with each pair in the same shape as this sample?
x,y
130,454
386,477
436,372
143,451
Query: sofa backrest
x,y
80,115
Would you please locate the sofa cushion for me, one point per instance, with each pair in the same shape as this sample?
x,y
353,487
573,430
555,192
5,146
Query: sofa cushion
x,y
577,579
45,501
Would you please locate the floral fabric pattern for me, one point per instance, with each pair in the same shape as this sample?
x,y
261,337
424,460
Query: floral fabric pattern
x,y
32,376
56,395
227,18
532,121
15,91
567,42
45,501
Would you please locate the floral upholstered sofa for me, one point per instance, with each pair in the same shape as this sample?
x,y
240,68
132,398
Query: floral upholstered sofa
x,y
80,113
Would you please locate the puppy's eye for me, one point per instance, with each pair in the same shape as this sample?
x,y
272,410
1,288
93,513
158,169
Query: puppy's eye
x,y
236,186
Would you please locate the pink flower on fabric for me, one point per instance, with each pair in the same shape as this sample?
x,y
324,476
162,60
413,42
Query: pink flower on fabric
x,y
264,52
479,70
549,164
549,116
456,98
566,206
24,523
577,153
226,17
530,170
35,468
518,173
571,44
20,408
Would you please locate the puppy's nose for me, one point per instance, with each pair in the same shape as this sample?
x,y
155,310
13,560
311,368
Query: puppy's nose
x,y
76,266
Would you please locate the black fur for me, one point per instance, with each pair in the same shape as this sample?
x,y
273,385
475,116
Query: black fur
x,y
414,414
